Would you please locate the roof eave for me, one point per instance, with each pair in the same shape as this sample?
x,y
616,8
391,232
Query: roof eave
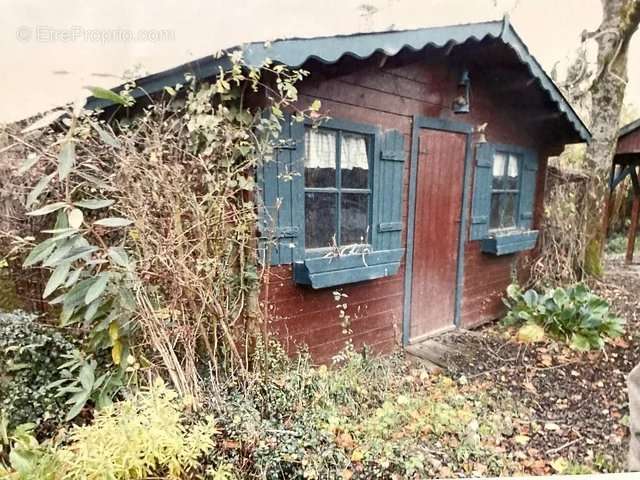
x,y
328,50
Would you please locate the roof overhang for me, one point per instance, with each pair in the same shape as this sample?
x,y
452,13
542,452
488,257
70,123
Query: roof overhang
x,y
295,52
629,128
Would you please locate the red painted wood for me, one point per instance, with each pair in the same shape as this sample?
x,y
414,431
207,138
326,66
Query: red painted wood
x,y
633,229
630,143
441,158
410,84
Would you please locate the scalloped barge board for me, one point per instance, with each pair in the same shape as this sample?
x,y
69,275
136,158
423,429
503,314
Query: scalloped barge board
x,y
294,52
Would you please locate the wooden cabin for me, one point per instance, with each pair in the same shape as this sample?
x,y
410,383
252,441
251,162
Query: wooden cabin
x,y
419,195
626,162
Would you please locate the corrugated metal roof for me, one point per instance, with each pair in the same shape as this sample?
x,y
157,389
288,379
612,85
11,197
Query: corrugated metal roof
x,y
294,52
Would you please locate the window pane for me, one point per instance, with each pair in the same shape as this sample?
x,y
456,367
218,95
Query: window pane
x,y
499,164
354,217
512,173
503,210
319,158
320,219
354,162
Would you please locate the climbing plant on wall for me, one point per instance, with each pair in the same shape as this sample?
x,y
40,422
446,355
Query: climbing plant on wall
x,y
150,241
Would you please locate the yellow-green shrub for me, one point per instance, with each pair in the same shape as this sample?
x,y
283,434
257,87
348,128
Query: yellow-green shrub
x,y
141,437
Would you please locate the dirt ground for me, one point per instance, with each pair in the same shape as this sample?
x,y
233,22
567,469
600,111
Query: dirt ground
x,y
577,402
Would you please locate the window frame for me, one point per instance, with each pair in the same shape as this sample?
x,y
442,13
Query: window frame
x,y
372,135
508,151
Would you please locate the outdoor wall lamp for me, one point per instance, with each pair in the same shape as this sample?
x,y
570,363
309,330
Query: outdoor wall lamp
x,y
461,102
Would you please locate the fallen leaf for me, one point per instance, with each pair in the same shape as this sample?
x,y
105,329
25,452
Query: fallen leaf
x,y
546,360
344,440
531,333
559,465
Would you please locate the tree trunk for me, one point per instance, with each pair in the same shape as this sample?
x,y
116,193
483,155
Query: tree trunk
x,y
619,22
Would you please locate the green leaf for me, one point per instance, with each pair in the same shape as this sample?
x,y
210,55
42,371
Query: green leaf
x,y
60,253
79,401
57,278
66,159
580,343
62,233
79,252
110,95
29,162
513,291
38,189
94,204
105,136
75,217
45,121
73,278
531,333
530,297
39,253
75,296
524,315
86,376
91,310
97,288
61,221
113,222
23,461
52,207
119,256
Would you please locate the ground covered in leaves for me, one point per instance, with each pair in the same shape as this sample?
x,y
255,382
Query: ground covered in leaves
x,y
576,403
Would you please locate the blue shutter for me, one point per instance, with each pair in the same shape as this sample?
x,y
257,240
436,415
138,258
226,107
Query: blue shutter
x,y
527,189
280,181
387,186
481,205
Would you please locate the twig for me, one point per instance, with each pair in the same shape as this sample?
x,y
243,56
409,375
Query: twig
x,y
562,447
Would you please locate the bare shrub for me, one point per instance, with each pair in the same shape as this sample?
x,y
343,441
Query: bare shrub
x,y
563,240
162,205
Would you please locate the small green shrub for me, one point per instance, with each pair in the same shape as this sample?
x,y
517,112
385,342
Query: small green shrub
x,y
30,356
616,244
573,314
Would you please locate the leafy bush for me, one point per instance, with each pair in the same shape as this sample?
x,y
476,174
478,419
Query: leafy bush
x,y
616,244
30,356
145,436
573,314
369,418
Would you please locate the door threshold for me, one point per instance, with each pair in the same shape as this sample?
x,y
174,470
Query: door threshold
x,y
430,335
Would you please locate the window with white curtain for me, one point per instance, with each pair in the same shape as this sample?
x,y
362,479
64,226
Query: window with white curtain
x,y
505,190
337,192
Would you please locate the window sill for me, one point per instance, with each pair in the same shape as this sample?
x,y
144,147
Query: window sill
x,y
508,243
329,272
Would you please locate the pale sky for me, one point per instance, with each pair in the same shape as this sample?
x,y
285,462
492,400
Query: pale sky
x,y
49,49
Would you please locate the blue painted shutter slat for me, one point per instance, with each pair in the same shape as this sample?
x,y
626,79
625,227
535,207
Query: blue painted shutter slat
x,y
527,190
282,200
481,205
387,192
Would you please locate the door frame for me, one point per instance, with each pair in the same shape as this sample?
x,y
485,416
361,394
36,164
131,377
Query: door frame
x,y
432,123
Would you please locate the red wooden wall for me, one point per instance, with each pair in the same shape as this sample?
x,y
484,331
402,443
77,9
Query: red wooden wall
x,y
629,143
389,96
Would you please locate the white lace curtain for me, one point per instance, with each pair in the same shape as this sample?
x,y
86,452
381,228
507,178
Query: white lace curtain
x,y
320,150
499,161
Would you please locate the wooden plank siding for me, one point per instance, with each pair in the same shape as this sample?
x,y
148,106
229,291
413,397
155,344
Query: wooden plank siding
x,y
629,143
389,97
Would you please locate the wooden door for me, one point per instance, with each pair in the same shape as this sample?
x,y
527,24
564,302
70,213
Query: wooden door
x,y
441,156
